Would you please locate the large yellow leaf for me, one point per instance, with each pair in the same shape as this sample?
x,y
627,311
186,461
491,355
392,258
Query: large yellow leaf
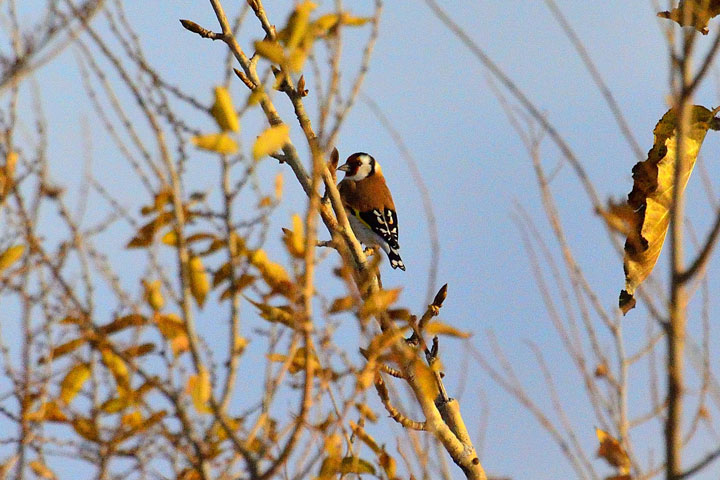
x,y
379,302
173,329
73,382
273,273
86,428
652,194
223,111
153,294
697,13
216,142
271,140
10,256
199,388
611,450
297,24
199,283
295,239
118,368
273,51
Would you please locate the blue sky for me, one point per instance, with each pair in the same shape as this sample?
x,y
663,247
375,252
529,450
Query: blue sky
x,y
436,95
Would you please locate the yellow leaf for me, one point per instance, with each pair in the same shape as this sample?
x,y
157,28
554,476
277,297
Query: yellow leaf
x,y
342,304
270,50
127,321
73,382
173,329
279,186
297,58
115,405
325,22
298,361
139,350
41,470
652,193
611,450
379,302
48,411
86,429
153,294
66,348
223,111
117,367
132,419
199,283
295,239
170,238
255,97
273,273
10,256
199,388
146,233
189,474
216,142
355,465
272,314
388,464
240,344
439,328
7,174
297,24
353,21
240,283
366,412
271,140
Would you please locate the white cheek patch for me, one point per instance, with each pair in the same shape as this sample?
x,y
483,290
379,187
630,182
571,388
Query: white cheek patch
x,y
362,172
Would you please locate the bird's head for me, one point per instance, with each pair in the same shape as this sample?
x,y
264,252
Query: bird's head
x,y
360,166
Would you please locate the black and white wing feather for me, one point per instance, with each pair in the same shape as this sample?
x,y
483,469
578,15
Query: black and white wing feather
x,y
383,223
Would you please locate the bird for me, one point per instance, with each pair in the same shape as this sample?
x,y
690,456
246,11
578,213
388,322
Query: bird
x,y
369,205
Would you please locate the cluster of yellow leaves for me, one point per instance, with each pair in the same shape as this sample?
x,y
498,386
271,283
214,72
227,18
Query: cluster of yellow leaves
x,y
226,117
647,217
693,13
295,41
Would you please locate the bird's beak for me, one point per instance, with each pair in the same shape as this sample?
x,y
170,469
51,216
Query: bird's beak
x,y
344,168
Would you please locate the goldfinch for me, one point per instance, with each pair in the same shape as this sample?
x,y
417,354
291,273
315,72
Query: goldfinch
x,y
370,206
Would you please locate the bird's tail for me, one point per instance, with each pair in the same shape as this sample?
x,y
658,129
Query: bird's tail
x,y
395,260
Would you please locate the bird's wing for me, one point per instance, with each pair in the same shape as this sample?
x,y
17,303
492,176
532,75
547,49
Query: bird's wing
x,y
381,222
